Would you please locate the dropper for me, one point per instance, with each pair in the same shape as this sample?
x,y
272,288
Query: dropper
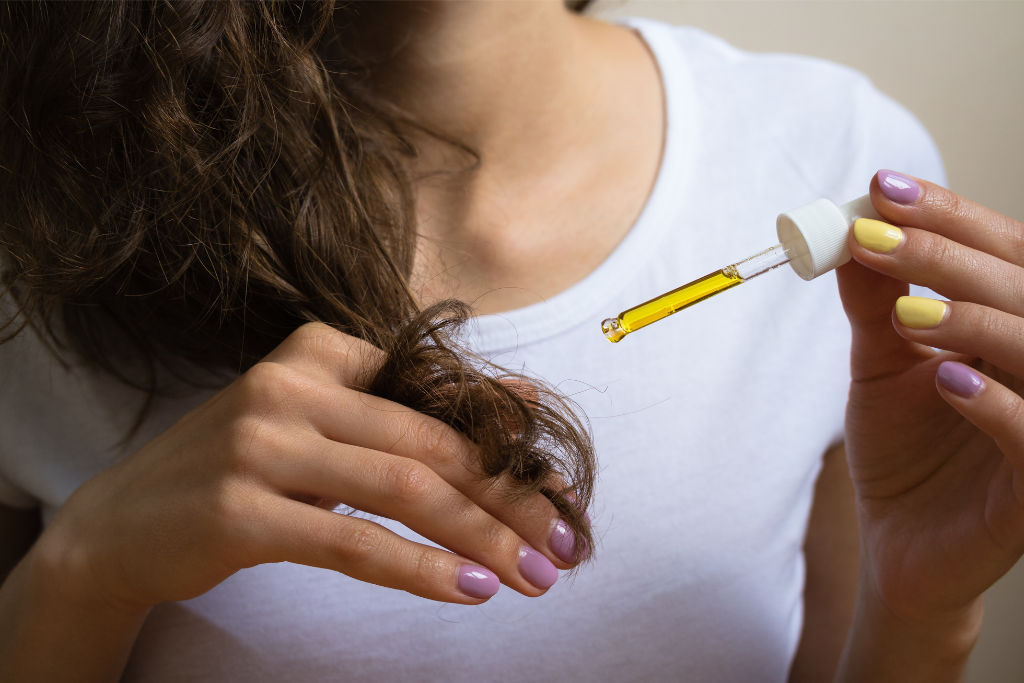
x,y
812,240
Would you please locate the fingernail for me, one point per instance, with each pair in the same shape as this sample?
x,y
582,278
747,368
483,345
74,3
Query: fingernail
x,y
877,236
477,582
919,312
536,568
563,542
960,379
898,187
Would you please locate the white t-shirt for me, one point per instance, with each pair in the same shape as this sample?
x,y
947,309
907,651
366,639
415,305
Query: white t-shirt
x,y
710,426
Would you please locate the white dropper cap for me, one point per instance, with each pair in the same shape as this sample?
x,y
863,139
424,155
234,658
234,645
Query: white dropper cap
x,y
815,235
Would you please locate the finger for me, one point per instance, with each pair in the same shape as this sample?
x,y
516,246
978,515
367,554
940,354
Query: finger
x,y
916,203
988,405
924,258
289,531
347,416
380,425
319,349
868,299
409,492
970,329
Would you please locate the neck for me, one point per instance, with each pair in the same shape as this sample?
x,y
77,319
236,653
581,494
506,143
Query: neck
x,y
540,96
490,75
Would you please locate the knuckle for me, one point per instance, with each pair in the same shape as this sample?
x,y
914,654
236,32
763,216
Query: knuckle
x,y
981,323
329,349
941,255
315,329
314,335
262,379
255,442
328,343
265,373
949,205
434,442
958,206
266,385
317,342
407,481
495,535
936,249
248,387
360,543
428,566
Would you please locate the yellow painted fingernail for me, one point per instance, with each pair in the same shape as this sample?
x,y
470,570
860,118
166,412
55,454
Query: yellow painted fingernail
x,y
920,313
877,236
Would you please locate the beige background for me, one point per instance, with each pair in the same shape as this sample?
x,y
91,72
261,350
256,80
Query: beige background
x,y
959,66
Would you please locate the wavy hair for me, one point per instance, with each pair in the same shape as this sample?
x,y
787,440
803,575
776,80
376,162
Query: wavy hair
x,y
183,184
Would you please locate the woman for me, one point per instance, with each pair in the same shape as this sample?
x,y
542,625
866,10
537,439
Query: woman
x,y
556,170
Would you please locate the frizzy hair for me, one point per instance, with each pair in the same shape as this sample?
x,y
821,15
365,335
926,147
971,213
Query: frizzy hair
x,y
185,184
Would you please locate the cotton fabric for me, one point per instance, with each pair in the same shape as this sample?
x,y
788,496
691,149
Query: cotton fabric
x,y
710,426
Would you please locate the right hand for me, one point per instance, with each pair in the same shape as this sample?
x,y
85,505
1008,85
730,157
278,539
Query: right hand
x,y
236,483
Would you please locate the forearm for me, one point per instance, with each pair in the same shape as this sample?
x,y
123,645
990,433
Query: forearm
x,y
831,557
45,635
882,647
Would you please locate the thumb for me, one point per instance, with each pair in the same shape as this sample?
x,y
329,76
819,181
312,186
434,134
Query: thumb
x,y
868,299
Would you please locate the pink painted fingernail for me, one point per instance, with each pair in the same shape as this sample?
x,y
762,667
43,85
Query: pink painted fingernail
x,y
536,568
477,582
563,542
959,379
898,187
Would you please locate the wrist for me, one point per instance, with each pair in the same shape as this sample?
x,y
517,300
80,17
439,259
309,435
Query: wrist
x,y
60,573
56,635
886,645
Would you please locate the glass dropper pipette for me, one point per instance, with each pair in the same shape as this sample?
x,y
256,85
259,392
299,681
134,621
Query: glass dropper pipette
x,y
694,292
812,240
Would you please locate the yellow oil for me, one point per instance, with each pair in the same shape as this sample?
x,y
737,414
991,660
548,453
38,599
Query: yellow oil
x,y
671,302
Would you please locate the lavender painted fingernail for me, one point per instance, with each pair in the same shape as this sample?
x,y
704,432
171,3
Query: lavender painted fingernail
x,y
898,187
536,568
477,582
563,542
960,379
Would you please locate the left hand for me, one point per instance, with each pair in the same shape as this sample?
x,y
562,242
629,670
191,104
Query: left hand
x,y
935,439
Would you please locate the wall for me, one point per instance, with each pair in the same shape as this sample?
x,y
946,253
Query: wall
x,y
959,66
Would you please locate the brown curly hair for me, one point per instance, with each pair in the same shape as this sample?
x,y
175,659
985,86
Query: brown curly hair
x,y
183,184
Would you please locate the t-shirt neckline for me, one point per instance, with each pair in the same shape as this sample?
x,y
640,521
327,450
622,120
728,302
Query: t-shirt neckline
x,y
585,301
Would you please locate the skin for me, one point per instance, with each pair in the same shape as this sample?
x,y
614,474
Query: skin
x,y
548,202
938,477
831,558
235,482
546,206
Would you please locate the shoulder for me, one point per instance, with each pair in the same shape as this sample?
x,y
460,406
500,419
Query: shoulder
x,y
825,118
26,390
61,423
